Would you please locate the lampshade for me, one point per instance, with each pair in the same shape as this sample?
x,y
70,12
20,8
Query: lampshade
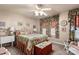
x,y
12,29
40,13
35,29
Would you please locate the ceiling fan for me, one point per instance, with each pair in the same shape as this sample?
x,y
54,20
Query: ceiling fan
x,y
40,11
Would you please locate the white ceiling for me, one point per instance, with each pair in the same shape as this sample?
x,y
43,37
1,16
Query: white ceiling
x,y
25,9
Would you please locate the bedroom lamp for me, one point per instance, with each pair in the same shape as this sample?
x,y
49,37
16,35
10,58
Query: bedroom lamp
x,y
12,29
35,30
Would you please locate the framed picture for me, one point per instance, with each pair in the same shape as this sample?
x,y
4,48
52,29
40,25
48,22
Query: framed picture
x,y
2,24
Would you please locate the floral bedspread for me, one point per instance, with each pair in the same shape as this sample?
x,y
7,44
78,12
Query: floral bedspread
x,y
32,39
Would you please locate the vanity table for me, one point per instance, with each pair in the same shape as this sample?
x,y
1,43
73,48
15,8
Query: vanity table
x,y
7,39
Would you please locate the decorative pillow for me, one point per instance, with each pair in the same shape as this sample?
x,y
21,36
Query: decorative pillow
x,y
17,33
38,40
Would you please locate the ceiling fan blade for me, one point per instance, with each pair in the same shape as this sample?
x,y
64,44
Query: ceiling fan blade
x,y
44,9
36,13
36,6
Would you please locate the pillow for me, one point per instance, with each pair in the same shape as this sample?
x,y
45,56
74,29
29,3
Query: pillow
x,y
17,33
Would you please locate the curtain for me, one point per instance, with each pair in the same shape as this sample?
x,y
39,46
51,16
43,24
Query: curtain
x,y
77,21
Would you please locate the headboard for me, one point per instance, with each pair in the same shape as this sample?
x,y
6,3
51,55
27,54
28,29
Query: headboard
x,y
23,31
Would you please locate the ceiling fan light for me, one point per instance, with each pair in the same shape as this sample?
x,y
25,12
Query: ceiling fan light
x,y
36,13
43,13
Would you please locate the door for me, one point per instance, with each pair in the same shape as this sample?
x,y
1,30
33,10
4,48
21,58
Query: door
x,y
54,28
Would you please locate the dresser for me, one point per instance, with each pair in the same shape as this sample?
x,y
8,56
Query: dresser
x,y
7,39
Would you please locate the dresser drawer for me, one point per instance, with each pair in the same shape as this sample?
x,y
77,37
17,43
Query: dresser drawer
x,y
7,39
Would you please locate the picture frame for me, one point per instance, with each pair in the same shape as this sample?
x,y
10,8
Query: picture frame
x,y
63,22
2,24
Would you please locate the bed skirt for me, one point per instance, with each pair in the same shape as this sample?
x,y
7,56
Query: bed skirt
x,y
22,46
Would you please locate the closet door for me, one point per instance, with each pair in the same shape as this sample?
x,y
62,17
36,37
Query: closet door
x,y
54,28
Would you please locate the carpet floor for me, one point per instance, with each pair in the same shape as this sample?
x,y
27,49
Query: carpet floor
x,y
58,50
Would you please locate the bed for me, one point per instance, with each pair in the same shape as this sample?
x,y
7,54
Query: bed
x,y
26,42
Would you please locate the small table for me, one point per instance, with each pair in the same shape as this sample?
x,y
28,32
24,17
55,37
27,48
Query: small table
x,y
43,48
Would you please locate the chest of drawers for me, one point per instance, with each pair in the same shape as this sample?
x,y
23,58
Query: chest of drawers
x,y
7,39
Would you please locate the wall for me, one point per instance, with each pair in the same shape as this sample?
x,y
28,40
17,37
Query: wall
x,y
12,19
50,23
63,35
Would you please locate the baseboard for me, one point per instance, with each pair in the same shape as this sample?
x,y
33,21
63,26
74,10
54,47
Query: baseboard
x,y
57,42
